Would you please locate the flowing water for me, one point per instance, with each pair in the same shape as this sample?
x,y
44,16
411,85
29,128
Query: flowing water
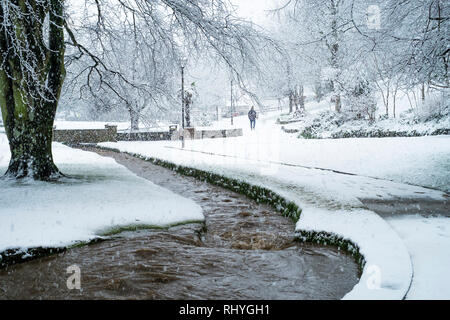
x,y
245,250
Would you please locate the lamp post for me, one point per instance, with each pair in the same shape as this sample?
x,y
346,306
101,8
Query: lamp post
x,y
183,62
182,96
231,101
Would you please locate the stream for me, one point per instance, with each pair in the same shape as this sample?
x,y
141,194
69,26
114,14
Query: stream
x,y
244,250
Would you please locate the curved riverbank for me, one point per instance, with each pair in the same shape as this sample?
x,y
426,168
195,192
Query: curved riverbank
x,y
244,250
368,237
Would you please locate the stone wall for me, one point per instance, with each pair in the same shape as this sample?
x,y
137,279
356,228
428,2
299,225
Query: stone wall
x,y
191,134
143,136
110,134
75,136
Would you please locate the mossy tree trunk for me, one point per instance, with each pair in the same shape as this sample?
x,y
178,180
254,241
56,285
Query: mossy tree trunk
x,y
31,76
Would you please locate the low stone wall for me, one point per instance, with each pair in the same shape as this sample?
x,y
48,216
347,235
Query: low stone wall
x,y
76,136
289,130
380,133
110,134
143,136
191,134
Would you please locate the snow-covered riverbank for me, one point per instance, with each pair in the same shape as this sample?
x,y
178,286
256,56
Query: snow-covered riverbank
x,y
98,197
330,200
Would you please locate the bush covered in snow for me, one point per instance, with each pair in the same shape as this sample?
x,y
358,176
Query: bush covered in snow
x,y
329,124
434,108
360,117
360,101
326,121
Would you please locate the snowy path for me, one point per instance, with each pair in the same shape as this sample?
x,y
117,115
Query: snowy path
x,y
330,200
279,163
428,242
423,161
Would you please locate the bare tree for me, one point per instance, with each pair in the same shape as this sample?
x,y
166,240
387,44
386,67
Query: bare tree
x,y
33,39
322,30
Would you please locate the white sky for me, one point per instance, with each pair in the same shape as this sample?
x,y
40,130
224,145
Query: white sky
x,y
256,9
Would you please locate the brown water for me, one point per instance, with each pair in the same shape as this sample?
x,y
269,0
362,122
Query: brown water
x,y
244,250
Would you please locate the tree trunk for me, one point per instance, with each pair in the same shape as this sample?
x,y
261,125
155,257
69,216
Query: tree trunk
x,y
134,116
301,97
409,99
187,108
395,98
30,144
31,79
334,49
387,100
188,114
337,106
291,102
393,110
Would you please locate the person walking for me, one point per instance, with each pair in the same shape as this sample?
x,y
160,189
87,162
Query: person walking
x,y
252,117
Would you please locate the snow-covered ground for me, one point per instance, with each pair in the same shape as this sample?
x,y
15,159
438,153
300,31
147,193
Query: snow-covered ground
x,y
428,242
404,255
413,118
99,196
423,161
330,200
63,124
329,125
121,126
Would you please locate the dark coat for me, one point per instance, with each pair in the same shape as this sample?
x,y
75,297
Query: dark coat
x,y
252,115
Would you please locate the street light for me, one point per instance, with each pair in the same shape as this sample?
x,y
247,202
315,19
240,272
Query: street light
x,y
231,101
183,64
